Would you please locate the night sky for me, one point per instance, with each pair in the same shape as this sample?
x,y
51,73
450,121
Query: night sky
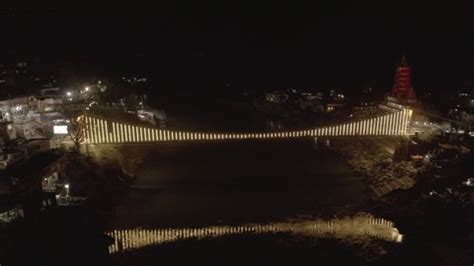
x,y
345,44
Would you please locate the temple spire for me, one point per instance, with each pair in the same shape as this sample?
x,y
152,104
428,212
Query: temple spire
x,y
402,87
404,62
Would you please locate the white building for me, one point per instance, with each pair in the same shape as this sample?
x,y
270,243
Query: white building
x,y
50,183
11,213
31,129
49,104
14,109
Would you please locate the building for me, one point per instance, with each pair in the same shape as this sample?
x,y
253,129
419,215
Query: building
x,y
30,129
51,92
402,89
276,96
365,108
50,183
15,109
49,104
365,105
10,213
8,159
10,210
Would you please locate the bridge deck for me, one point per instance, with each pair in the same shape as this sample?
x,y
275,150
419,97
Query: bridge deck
x,y
103,131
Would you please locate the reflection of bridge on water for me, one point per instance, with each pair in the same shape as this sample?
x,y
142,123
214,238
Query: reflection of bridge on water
x,y
104,131
344,228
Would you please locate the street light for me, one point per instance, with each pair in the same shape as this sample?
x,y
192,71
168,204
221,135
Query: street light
x,y
68,93
86,88
66,186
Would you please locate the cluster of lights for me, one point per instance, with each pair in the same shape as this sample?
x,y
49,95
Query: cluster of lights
x,y
100,131
134,80
359,226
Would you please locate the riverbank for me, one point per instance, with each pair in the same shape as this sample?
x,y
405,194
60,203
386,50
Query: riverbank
x,y
439,231
72,235
373,158
127,157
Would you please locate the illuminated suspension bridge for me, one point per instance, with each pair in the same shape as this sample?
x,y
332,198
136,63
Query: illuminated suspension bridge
x,y
364,226
104,131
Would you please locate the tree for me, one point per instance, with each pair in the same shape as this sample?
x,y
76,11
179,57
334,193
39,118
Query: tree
x,y
76,131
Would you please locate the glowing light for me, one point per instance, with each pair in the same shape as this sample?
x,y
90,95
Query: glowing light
x,y
105,132
61,130
392,125
343,228
97,131
128,133
114,133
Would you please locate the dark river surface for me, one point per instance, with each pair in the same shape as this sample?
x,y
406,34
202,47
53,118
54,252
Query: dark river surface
x,y
237,182
218,184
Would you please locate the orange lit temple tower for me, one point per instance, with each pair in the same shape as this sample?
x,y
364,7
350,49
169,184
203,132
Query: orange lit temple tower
x,y
402,89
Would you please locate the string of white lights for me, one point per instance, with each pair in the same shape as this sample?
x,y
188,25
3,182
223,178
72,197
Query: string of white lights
x,y
103,131
359,226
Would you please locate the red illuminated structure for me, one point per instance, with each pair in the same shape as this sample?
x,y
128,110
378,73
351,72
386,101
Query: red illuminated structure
x,y
402,89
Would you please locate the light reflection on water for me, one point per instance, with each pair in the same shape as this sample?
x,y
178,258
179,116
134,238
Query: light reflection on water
x,y
362,226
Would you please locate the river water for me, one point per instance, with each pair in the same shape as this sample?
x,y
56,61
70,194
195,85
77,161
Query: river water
x,y
238,182
197,185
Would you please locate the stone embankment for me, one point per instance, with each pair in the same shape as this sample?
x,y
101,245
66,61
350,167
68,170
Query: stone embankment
x,y
373,159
